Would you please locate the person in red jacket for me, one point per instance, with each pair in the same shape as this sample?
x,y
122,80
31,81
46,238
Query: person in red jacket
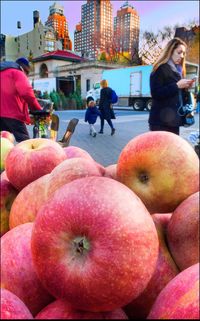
x,y
16,96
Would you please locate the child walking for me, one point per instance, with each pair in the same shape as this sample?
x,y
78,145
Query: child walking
x,y
91,115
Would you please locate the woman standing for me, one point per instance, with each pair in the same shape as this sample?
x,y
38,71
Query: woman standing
x,y
105,106
168,87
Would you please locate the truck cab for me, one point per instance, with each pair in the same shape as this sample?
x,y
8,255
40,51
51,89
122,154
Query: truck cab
x,y
94,93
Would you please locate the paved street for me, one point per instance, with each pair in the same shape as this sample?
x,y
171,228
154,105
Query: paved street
x,y
105,148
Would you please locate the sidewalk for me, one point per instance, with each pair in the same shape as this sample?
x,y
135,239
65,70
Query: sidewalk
x,y
105,148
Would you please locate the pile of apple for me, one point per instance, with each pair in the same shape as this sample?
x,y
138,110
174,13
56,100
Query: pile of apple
x,y
84,241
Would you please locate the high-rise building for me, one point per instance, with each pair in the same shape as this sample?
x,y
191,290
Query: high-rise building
x,y
95,31
58,22
126,29
78,37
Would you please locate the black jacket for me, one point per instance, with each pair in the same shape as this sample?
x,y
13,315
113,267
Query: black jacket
x,y
165,97
105,102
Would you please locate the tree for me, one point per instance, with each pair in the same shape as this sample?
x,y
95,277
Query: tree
x,y
151,44
193,47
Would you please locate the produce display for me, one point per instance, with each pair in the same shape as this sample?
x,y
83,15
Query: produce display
x,y
84,241
6,146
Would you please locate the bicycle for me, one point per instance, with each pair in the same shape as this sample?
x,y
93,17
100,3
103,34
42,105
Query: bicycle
x,y
46,124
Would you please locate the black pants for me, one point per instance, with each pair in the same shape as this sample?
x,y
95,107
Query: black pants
x,y
174,130
109,121
16,127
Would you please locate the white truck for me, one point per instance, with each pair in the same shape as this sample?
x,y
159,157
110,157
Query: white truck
x,y
132,85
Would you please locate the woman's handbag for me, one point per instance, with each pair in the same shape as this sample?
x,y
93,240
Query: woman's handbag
x,y
186,111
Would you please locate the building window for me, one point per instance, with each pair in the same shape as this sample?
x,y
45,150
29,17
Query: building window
x,y
43,71
87,84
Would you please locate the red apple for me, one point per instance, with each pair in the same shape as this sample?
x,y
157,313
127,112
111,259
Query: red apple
x,y
94,244
180,298
32,159
163,219
111,171
61,309
25,207
17,272
74,151
29,200
165,271
72,169
6,147
3,176
7,196
183,232
7,135
12,308
161,168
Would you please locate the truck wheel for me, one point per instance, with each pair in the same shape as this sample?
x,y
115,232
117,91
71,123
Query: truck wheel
x,y
148,104
138,104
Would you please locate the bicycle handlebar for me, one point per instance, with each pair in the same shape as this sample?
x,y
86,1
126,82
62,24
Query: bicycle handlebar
x,y
40,113
47,106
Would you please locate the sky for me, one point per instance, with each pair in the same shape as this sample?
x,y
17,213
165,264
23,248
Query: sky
x,y
154,15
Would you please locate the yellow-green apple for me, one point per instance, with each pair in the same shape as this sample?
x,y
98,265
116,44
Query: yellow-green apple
x,y
12,308
111,171
183,232
161,168
61,309
95,244
32,159
6,147
17,271
31,197
7,196
180,298
165,271
8,135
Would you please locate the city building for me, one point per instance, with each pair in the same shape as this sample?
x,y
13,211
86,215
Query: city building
x,y
58,22
2,46
191,37
95,31
126,29
64,70
32,44
78,38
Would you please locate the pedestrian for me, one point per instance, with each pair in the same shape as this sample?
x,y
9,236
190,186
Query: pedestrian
x,y
16,96
105,106
169,87
198,101
91,115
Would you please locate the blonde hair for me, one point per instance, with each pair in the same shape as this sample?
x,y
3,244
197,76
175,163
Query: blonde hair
x,y
167,53
91,102
104,83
